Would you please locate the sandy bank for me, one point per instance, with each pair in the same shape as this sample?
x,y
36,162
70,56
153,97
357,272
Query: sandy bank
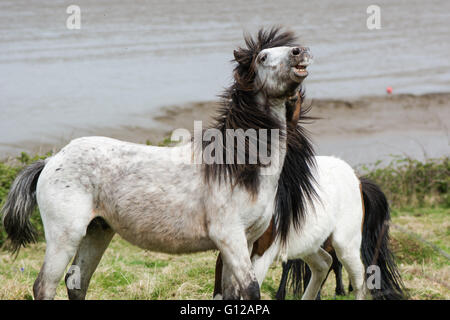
x,y
359,130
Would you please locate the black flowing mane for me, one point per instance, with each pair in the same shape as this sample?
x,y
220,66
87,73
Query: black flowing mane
x,y
296,186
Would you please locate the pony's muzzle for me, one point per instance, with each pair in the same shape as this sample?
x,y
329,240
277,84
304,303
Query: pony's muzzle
x,y
301,56
300,59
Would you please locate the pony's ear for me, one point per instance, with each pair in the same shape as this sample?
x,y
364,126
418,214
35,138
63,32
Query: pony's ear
x,y
239,56
236,55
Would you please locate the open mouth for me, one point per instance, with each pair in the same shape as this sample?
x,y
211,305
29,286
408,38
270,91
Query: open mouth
x,y
300,70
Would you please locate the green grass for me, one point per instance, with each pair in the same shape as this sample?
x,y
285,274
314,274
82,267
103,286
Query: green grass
x,y
127,272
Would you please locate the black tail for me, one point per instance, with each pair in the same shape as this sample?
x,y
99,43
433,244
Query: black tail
x,y
20,205
294,273
375,243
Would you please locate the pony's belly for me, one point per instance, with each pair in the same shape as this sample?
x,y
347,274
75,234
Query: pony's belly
x,y
160,237
153,242
309,246
161,226
313,233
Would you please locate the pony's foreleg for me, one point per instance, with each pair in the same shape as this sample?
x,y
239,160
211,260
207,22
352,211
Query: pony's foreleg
x,y
224,279
337,269
262,263
319,263
233,247
92,247
281,293
230,285
217,294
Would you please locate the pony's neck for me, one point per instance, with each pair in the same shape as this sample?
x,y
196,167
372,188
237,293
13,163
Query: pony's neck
x,y
277,109
243,111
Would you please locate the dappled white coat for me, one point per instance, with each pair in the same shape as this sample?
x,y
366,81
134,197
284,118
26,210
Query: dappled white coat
x,y
137,191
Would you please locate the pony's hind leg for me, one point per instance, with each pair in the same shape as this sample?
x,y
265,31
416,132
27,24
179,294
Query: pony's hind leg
x,y
62,243
57,257
90,251
350,256
65,215
320,264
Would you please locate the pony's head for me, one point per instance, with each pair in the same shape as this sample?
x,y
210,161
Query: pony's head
x,y
272,64
280,70
269,70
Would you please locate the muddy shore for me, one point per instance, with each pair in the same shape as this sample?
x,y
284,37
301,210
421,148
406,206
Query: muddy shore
x,y
361,130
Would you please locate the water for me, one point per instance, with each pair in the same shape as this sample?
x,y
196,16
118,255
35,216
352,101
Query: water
x,y
132,57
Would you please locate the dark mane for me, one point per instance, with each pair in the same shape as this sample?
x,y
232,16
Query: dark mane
x,y
296,186
240,110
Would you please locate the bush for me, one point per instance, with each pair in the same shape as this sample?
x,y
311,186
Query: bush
x,y
412,183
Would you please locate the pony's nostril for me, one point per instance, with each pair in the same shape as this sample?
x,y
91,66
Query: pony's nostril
x,y
295,51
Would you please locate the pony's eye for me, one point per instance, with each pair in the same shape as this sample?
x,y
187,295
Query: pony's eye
x,y
263,58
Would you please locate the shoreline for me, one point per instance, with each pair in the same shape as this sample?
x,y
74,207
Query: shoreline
x,y
356,130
